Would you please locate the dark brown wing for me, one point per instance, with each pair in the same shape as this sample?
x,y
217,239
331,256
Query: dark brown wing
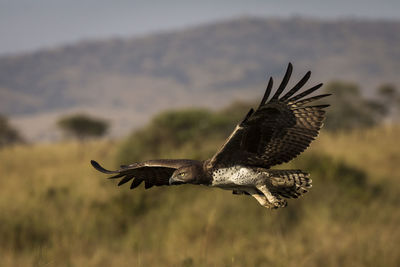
x,y
152,172
277,131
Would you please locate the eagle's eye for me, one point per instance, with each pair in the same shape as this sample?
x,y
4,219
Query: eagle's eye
x,y
182,174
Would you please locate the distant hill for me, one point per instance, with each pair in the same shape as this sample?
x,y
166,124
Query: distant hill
x,y
128,80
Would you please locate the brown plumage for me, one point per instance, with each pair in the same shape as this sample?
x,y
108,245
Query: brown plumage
x,y
278,131
151,172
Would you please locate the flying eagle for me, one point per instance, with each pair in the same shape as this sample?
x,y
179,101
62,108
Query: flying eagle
x,y
280,129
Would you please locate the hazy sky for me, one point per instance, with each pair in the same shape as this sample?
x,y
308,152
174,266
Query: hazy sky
x,y
27,25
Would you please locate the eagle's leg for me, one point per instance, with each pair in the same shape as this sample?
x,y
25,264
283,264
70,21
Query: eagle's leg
x,y
274,201
260,198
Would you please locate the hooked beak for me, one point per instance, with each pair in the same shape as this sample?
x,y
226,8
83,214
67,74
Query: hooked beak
x,y
175,181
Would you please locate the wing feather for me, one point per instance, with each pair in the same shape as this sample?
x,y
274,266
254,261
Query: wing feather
x,y
305,93
297,87
267,92
152,172
284,82
310,99
278,131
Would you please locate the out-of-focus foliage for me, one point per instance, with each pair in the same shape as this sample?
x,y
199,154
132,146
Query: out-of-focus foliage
x,y
8,134
350,110
185,131
389,96
83,126
57,211
195,133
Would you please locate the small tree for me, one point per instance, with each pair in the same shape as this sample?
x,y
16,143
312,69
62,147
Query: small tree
x,y
8,135
349,109
390,98
388,93
83,126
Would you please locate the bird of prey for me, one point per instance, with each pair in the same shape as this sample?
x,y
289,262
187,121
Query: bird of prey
x,y
276,132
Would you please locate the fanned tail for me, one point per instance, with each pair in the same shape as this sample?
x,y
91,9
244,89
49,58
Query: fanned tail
x,y
289,183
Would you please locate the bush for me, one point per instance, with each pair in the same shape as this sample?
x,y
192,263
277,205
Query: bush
x,y
350,110
82,126
188,131
8,134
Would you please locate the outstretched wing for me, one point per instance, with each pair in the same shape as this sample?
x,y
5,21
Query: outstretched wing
x,y
152,172
278,131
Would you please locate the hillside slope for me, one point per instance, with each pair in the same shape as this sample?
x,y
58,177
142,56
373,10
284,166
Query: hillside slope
x,y
208,65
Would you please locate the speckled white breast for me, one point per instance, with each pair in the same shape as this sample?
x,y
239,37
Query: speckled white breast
x,y
235,176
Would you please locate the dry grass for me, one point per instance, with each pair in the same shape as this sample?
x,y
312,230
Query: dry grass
x,y
375,150
55,210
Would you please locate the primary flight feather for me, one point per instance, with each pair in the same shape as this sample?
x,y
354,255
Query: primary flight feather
x,y
279,130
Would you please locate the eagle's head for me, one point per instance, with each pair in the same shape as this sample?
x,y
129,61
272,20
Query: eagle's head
x,y
191,174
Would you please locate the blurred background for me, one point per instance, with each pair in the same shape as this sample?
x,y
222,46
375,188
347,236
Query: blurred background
x,y
125,81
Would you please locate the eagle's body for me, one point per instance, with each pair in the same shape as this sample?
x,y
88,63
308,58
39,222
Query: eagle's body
x,y
262,183
236,177
279,130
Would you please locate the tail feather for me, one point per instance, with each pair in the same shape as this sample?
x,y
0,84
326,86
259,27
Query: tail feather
x,y
289,183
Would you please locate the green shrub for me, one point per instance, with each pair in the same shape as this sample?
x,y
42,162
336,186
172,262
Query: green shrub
x,y
83,126
8,134
176,133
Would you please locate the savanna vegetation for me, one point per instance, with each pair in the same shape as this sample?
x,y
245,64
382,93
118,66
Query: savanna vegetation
x,y
55,210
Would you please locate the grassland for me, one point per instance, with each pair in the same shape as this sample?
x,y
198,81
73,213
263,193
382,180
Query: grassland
x,y
55,210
